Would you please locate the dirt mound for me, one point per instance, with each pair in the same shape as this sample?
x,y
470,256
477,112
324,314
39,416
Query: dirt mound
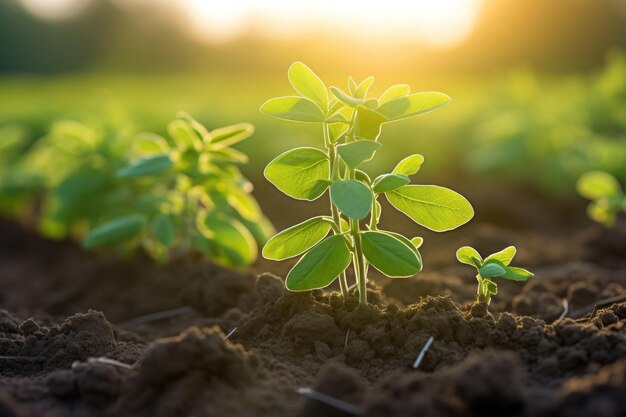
x,y
311,328
30,349
489,383
177,375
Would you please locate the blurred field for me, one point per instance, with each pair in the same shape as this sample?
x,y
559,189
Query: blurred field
x,y
534,131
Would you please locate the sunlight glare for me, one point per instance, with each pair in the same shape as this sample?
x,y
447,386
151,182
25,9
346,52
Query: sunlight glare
x,y
435,22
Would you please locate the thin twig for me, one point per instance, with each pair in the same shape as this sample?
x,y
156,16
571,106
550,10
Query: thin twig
x,y
602,303
230,333
565,309
345,343
420,357
104,361
331,401
159,316
593,313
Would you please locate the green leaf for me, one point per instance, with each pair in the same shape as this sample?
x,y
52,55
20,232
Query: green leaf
x,y
184,135
436,208
197,126
389,254
505,256
352,198
229,135
320,266
227,155
468,255
307,83
115,231
371,104
296,239
492,287
146,166
301,173
298,109
344,98
491,270
517,274
163,229
243,202
363,88
601,212
336,118
417,242
393,92
368,123
407,242
362,176
337,130
597,184
352,85
82,184
355,153
413,105
261,229
389,182
149,144
232,243
409,165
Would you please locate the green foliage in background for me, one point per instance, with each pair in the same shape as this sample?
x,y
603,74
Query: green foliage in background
x,y
606,195
537,131
168,195
547,132
351,123
496,265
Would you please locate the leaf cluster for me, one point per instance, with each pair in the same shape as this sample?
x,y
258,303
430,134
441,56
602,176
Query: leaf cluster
x,y
351,122
169,195
496,265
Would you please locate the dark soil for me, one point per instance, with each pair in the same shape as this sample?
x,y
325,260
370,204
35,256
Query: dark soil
x,y
63,307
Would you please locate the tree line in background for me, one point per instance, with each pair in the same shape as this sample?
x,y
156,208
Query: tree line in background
x,y
554,36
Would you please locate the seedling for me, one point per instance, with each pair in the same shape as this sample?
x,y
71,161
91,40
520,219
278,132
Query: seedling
x,y
606,195
351,124
495,265
185,194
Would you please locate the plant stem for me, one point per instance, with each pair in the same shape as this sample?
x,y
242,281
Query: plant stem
x,y
357,256
333,158
359,262
482,294
374,214
185,245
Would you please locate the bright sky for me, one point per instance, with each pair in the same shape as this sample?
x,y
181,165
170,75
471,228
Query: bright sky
x,y
435,22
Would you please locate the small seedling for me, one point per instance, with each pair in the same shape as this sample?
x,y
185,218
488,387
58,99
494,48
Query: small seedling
x,y
606,195
186,193
494,266
351,124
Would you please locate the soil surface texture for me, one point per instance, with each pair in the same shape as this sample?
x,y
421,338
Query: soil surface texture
x,y
86,334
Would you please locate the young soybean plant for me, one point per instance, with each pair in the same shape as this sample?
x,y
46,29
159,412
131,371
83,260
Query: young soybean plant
x,y
187,194
351,124
606,195
495,265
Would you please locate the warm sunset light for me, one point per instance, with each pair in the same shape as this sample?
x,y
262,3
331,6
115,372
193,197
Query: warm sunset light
x,y
437,23
313,208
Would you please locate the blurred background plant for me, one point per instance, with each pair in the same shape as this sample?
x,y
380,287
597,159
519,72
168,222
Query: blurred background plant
x,y
538,88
